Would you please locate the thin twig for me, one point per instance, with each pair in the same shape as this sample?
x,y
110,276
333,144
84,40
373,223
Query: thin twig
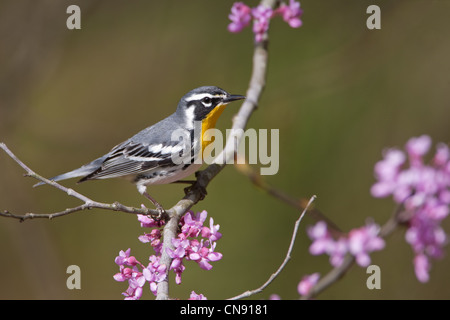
x,y
285,261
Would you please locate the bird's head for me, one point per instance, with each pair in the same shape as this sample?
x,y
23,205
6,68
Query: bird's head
x,y
205,103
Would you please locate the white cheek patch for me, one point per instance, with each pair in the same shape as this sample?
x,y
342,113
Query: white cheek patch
x,y
190,117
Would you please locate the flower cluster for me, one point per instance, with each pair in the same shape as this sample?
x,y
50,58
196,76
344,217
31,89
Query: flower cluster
x,y
129,271
423,190
359,243
241,15
187,246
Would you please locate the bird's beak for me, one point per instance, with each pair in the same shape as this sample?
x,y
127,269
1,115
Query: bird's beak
x,y
231,98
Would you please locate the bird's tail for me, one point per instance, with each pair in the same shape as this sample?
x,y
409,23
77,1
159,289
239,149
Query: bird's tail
x,y
80,172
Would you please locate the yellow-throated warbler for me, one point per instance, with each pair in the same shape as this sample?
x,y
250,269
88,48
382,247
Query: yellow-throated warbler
x,y
147,157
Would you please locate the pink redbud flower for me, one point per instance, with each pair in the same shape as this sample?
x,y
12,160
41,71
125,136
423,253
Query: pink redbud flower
x,y
124,274
307,283
212,233
291,13
136,281
133,293
154,237
324,243
359,243
422,268
362,241
148,222
240,17
261,15
203,255
154,273
417,148
124,258
193,223
195,296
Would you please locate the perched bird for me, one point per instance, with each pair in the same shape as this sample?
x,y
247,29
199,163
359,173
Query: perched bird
x,y
151,156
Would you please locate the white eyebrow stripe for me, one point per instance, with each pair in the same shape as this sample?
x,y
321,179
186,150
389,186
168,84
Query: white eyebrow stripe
x,y
200,96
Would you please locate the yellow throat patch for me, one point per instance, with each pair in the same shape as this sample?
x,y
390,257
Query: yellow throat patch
x,y
208,123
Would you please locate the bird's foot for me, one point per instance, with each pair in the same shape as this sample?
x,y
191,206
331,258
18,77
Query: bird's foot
x,y
161,212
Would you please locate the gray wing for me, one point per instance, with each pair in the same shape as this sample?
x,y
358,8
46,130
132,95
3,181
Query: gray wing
x,y
132,158
147,150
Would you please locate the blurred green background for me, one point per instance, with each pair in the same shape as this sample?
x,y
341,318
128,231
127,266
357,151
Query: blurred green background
x,y
338,92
